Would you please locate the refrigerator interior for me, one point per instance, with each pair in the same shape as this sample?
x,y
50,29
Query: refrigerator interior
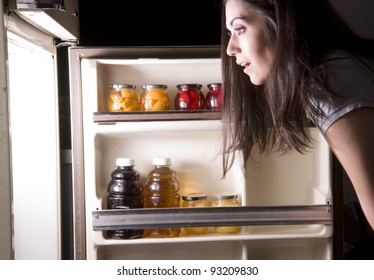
x,y
194,149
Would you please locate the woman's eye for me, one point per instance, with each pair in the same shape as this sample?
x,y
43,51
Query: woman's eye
x,y
239,30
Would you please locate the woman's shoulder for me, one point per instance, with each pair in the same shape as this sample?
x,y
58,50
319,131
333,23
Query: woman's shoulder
x,y
348,61
349,79
345,70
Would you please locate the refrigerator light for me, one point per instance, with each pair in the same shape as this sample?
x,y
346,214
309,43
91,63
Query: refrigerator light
x,y
43,21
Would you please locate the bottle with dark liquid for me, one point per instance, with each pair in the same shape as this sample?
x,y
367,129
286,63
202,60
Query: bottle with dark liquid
x,y
125,191
161,191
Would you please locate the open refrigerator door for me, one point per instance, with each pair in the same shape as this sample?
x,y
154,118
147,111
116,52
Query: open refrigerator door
x,y
30,150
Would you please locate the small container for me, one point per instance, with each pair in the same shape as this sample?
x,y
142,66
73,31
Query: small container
x,y
201,98
225,199
122,98
213,99
188,97
154,97
161,190
195,200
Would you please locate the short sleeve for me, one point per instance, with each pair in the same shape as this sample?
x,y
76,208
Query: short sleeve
x,y
350,79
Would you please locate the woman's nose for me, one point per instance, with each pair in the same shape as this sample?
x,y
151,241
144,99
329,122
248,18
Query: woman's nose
x,y
231,49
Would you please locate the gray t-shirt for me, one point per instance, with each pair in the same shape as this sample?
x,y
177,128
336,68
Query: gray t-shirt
x,y
351,80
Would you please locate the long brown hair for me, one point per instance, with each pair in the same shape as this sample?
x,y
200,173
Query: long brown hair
x,y
276,116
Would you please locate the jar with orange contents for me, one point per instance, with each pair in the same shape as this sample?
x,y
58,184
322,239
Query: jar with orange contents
x,y
122,98
154,98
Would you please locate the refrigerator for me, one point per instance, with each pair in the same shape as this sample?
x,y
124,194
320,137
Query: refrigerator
x,y
287,199
54,180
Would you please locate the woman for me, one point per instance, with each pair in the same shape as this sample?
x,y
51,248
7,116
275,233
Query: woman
x,y
290,62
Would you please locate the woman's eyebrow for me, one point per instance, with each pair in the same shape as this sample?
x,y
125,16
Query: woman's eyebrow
x,y
232,21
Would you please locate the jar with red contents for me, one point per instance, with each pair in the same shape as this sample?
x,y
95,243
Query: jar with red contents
x,y
213,100
188,97
202,97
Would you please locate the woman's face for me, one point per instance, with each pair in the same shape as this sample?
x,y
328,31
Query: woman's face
x,y
247,41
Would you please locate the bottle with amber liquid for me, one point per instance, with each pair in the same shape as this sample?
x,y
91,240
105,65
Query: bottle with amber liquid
x,y
125,191
161,190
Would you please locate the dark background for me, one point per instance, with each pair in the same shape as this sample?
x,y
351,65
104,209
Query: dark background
x,y
150,23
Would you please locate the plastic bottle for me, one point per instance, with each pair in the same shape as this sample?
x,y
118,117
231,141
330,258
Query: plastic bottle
x,y
125,191
161,191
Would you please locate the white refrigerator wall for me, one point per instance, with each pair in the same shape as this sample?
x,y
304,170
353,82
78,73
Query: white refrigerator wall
x,y
194,148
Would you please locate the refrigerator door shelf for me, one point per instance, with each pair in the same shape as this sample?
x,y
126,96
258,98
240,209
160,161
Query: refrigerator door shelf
x,y
170,115
210,216
283,222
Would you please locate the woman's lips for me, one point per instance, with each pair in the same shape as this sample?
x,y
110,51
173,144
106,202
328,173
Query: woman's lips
x,y
245,65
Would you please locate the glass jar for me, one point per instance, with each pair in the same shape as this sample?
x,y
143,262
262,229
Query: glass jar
x,y
201,97
213,99
122,98
195,200
154,98
188,97
225,199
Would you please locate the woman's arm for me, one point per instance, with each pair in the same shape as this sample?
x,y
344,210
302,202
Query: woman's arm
x,y
351,138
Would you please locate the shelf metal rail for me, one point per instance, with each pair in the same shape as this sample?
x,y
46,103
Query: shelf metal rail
x,y
210,216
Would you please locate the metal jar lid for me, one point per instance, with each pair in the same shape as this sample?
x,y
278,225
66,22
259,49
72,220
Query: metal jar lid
x,y
119,86
150,86
194,196
214,85
189,86
225,195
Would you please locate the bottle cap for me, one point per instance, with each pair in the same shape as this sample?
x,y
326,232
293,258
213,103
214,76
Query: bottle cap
x,y
125,162
161,161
